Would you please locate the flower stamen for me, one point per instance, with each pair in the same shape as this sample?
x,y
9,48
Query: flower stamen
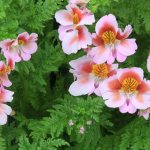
x,y
100,70
129,85
108,37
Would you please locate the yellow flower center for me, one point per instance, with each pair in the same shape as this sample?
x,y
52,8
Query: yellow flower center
x,y
20,42
108,37
5,70
76,19
129,85
100,71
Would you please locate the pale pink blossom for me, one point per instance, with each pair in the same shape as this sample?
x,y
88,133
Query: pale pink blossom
x,y
72,32
71,123
89,122
4,111
144,113
82,130
127,90
148,63
20,48
110,42
89,76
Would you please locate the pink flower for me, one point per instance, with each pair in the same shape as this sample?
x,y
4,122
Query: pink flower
x,y
73,16
20,48
88,75
110,42
71,123
4,111
82,130
72,32
148,63
145,113
127,90
89,122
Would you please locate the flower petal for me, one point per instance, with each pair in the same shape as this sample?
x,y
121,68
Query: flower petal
x,y
64,17
70,44
134,72
120,57
141,101
81,87
127,108
123,35
115,101
127,47
106,23
100,54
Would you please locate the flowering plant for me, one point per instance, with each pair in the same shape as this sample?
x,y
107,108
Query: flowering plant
x,y
74,75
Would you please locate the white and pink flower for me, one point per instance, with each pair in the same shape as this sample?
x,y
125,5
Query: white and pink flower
x,y
110,42
20,48
72,32
127,90
89,76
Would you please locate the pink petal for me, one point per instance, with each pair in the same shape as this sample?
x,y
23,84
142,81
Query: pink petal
x,y
96,40
127,108
8,96
115,101
111,57
120,57
88,19
81,87
64,17
7,109
123,35
85,37
148,63
25,56
63,30
24,36
100,54
5,81
141,101
97,91
76,63
127,47
30,47
4,45
135,72
70,43
3,117
107,23
111,84
33,37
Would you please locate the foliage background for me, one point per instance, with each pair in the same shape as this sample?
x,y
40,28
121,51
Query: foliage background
x,y
42,103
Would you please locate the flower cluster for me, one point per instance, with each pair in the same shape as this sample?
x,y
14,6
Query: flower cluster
x,y
96,72
14,50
